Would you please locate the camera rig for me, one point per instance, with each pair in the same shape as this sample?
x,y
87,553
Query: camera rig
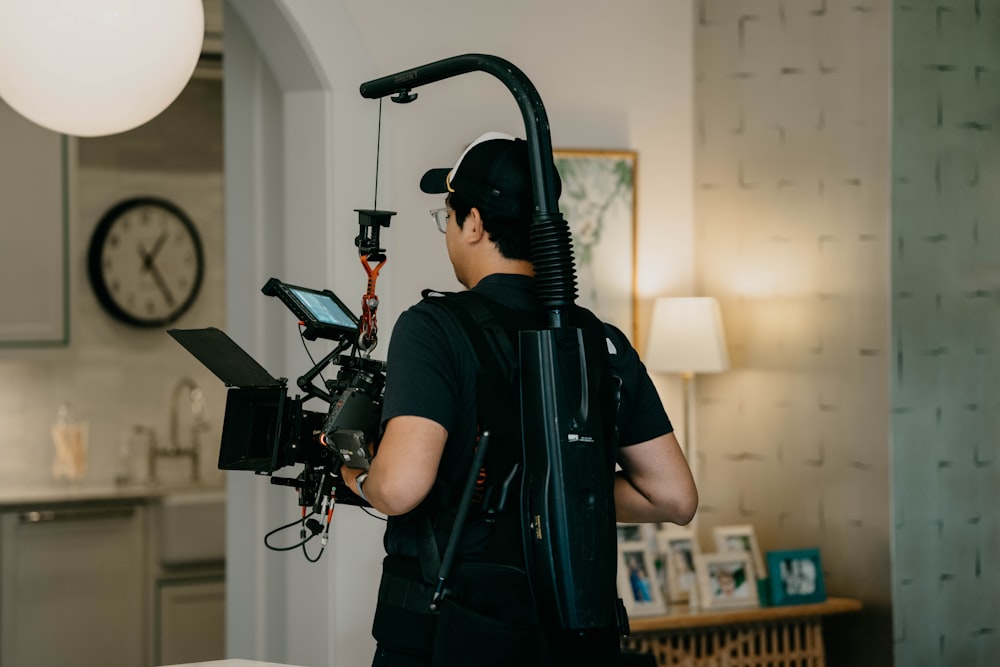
x,y
265,429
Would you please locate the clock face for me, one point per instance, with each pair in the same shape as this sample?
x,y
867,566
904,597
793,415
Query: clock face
x,y
146,262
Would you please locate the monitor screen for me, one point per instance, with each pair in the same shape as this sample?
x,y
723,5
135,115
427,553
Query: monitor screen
x,y
320,311
323,308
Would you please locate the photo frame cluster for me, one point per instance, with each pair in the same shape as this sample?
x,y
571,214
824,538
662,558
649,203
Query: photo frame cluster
x,y
661,566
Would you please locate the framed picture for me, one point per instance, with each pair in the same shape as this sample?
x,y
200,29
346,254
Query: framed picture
x,y
637,583
796,576
740,538
598,201
726,580
633,532
678,549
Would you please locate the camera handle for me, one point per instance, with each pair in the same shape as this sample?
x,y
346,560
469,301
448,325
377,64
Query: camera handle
x,y
305,383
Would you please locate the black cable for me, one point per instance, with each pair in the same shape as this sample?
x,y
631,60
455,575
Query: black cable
x,y
378,151
286,527
374,516
310,559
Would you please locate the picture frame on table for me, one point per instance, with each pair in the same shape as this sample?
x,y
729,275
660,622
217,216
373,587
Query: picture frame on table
x,y
796,576
678,549
637,582
598,202
740,538
726,580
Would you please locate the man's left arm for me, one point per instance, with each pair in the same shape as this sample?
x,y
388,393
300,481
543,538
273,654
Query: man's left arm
x,y
655,483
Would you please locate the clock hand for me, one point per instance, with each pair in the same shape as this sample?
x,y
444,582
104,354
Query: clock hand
x,y
161,283
147,258
157,246
148,265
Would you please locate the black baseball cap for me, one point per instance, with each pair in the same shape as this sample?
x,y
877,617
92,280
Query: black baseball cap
x,y
492,173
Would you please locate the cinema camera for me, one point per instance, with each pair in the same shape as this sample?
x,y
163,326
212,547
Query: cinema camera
x,y
265,429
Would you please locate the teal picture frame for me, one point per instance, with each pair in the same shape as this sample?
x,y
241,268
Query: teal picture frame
x,y
795,576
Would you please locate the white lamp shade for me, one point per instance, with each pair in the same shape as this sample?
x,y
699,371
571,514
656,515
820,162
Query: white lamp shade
x,y
96,67
686,336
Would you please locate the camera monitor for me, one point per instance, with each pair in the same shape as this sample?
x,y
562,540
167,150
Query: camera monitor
x,y
320,311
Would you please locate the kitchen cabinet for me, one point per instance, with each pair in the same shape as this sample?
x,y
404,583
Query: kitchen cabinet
x,y
190,620
188,547
73,584
33,233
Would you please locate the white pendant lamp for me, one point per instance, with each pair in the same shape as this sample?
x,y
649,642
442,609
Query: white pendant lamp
x,y
96,67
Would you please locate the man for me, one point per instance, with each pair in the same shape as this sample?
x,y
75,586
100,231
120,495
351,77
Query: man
x,y
432,421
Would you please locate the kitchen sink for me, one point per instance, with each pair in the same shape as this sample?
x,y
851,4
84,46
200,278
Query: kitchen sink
x,y
192,527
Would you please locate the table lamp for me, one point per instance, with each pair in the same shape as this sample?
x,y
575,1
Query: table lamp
x,y
686,337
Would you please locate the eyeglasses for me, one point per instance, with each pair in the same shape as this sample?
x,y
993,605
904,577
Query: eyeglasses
x,y
440,216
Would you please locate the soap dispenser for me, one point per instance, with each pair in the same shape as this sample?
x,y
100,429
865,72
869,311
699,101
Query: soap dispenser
x,y
69,437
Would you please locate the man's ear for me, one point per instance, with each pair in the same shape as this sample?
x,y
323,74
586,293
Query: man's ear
x,y
473,228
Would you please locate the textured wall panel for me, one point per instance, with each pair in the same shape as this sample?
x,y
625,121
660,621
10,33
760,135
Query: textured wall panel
x,y
792,170
946,324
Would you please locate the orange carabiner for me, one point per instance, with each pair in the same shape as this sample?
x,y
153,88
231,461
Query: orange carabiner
x,y
369,306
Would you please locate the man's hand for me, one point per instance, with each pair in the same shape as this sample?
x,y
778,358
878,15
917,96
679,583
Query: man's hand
x,y
402,474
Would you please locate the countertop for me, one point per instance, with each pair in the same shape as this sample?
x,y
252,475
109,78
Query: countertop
x,y
233,663
57,493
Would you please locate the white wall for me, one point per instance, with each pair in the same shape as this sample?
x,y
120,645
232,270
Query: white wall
x,y
301,155
611,75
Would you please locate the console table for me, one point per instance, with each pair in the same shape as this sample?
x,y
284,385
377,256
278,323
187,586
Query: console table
x,y
788,635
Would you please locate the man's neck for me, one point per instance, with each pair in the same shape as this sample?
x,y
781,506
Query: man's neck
x,y
502,265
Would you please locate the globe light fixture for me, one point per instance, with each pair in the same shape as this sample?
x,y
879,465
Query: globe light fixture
x,y
95,67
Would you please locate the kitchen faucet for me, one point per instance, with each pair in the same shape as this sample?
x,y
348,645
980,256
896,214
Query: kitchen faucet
x,y
174,449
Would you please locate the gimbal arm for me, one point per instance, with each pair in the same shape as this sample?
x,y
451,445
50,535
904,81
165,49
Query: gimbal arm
x,y
551,247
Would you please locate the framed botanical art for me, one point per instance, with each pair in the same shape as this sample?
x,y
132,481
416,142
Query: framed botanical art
x,y
678,549
637,583
727,580
598,201
740,538
796,576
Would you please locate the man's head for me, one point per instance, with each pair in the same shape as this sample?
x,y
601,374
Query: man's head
x,y
493,176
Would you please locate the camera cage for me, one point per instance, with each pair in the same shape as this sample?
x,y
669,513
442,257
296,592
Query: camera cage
x,y
265,429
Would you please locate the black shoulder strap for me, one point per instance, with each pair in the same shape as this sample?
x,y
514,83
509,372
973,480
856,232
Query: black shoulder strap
x,y
478,318
490,330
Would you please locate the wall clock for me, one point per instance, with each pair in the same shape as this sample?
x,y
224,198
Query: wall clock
x,y
146,262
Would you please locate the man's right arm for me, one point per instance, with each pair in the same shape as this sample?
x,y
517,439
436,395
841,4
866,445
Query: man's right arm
x,y
404,469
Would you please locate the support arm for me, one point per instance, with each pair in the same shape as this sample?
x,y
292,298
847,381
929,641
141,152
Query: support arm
x,y
551,244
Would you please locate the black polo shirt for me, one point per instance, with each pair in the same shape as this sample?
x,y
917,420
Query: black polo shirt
x,y
432,373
